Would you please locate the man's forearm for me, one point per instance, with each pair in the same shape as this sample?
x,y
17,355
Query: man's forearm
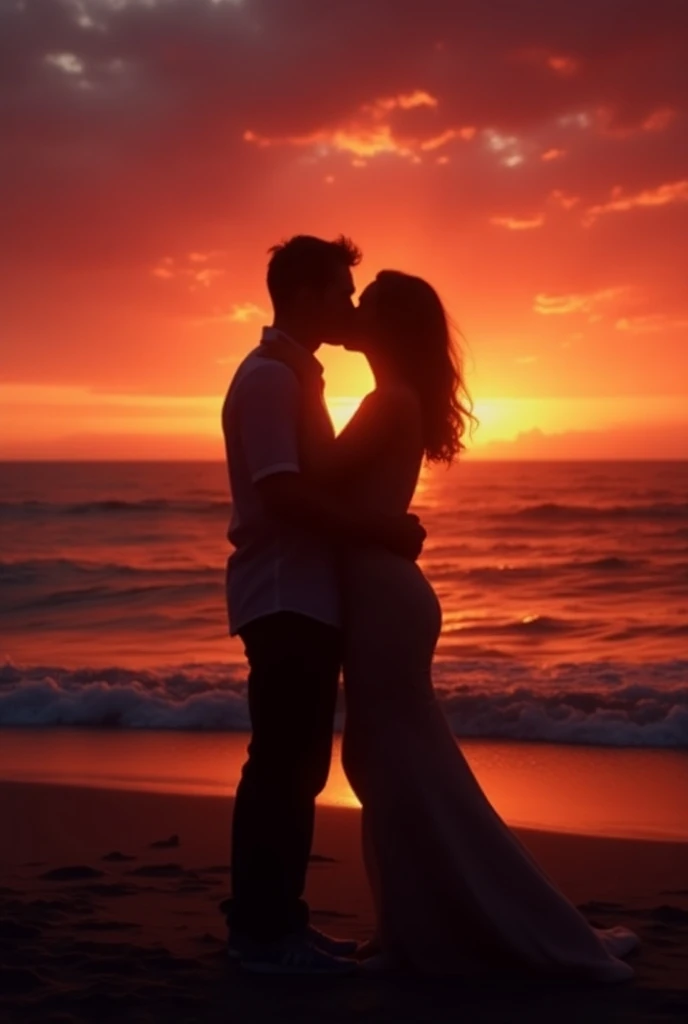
x,y
290,499
310,509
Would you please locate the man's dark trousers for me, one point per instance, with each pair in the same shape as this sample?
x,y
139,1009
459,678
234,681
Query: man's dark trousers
x,y
294,666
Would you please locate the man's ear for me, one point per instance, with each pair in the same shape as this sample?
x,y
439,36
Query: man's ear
x,y
303,297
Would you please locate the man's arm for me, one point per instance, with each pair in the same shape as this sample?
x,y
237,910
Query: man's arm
x,y
290,499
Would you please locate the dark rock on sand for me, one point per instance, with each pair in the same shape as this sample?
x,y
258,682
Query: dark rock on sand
x,y
160,871
73,873
166,844
105,926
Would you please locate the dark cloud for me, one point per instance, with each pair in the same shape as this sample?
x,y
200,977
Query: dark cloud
x,y
185,78
122,129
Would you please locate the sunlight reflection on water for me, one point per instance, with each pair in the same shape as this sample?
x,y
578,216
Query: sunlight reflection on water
x,y
635,793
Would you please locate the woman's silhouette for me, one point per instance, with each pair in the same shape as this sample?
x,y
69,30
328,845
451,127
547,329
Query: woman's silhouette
x,y
454,888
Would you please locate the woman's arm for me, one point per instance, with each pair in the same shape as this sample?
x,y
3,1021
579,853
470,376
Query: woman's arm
x,y
378,421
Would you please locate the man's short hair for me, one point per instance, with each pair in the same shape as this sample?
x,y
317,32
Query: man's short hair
x,y
307,262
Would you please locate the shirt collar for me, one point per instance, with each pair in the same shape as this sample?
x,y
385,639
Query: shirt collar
x,y
300,355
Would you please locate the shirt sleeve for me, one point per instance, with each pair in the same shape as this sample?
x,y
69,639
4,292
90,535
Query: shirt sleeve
x,y
268,420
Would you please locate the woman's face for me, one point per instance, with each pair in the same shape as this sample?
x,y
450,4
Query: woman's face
x,y
365,321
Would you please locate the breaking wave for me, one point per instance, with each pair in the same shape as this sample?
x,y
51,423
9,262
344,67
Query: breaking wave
x,y
598,703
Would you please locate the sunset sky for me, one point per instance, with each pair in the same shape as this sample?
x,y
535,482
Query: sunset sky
x,y
529,158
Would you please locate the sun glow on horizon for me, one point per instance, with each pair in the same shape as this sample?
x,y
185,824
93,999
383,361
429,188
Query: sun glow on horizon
x,y
499,418
53,422
342,408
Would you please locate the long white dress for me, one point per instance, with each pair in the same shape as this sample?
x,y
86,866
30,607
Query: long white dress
x,y
455,890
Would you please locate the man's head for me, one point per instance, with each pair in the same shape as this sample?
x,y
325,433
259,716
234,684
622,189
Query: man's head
x,y
311,287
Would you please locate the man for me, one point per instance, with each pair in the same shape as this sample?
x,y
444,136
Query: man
x,y
283,601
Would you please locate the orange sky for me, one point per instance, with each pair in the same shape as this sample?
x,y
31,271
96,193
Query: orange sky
x,y
530,160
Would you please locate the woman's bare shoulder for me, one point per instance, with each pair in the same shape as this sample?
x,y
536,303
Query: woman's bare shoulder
x,y
398,399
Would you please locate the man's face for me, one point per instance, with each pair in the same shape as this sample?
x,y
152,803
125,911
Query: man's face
x,y
360,338
336,308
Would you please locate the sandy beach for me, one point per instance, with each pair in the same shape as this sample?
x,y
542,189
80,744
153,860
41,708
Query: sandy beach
x,y
109,912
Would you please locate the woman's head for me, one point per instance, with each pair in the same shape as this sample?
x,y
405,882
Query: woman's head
x,y
403,325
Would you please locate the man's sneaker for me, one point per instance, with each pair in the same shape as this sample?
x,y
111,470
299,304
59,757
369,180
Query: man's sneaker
x,y
369,948
322,942
291,955
327,944
380,963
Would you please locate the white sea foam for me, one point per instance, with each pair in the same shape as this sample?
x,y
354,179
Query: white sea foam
x,y
607,704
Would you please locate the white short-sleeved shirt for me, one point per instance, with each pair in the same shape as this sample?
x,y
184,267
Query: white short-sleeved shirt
x,y
274,567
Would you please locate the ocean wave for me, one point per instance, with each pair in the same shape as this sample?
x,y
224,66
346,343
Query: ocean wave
x,y
32,569
115,506
505,573
610,563
208,697
530,625
96,595
555,512
41,570
550,512
597,703
50,583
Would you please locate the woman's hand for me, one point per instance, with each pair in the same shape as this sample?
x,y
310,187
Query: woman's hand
x,y
402,535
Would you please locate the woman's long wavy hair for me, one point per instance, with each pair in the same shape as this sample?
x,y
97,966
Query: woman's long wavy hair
x,y
418,336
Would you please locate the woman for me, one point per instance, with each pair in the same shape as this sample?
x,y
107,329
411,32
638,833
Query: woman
x,y
454,889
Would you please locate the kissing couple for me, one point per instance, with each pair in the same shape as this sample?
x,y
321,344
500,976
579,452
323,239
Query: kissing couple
x,y
324,579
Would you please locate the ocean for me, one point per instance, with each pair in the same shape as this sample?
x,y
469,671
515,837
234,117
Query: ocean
x,y
564,589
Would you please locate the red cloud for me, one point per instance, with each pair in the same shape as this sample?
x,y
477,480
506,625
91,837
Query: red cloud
x,y
563,65
651,323
518,224
193,270
370,132
562,305
662,195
